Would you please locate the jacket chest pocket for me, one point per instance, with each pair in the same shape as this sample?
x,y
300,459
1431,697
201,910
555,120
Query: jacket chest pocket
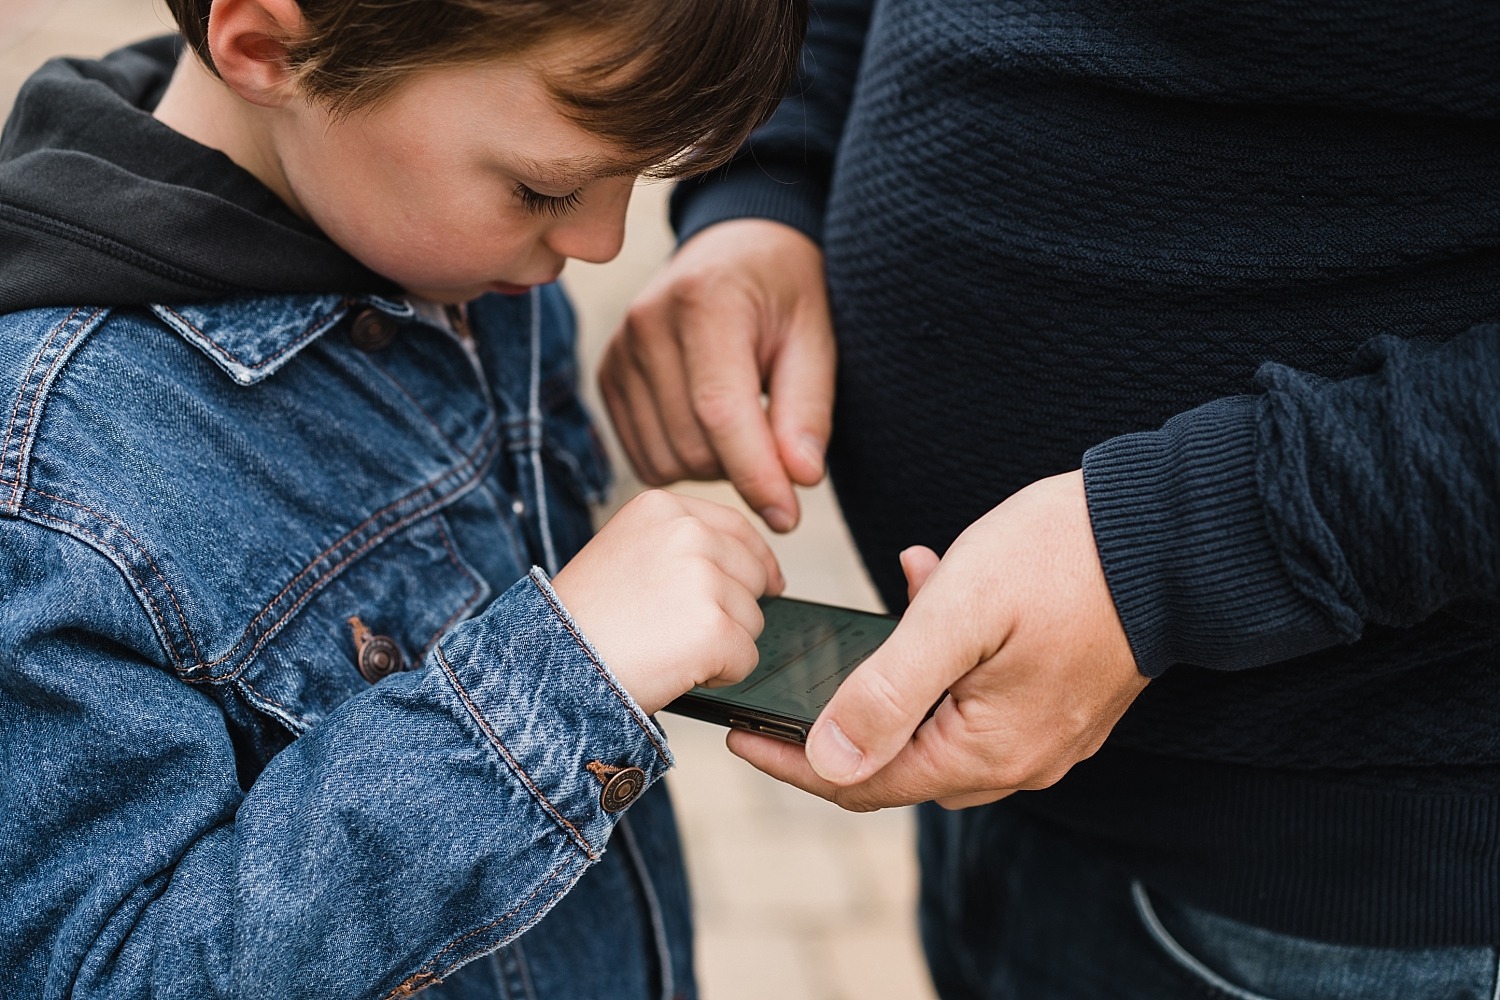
x,y
378,615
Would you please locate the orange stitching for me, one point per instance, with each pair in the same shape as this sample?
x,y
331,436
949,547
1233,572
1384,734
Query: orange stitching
x,y
37,397
485,452
267,698
361,634
411,987
308,594
520,771
21,393
425,488
601,770
407,988
401,388
473,598
333,571
487,949
141,548
547,878
303,599
561,617
123,565
219,348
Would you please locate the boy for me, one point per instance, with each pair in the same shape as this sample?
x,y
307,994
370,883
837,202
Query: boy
x,y
279,720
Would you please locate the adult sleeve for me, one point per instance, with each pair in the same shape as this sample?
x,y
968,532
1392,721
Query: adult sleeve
x,y
425,822
1258,528
782,173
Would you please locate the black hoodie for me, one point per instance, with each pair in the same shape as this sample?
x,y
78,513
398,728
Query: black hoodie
x,y
101,204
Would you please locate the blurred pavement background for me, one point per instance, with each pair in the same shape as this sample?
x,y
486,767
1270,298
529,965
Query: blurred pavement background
x,y
795,899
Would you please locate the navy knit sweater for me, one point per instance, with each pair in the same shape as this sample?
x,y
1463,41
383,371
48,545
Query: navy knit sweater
x,y
1242,262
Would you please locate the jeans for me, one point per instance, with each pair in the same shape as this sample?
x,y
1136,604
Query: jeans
x,y
1014,909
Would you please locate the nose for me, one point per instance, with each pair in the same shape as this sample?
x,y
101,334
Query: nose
x,y
596,232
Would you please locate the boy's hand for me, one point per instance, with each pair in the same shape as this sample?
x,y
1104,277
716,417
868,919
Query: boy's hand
x,y
666,591
1017,625
740,309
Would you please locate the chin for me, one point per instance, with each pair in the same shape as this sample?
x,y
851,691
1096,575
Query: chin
x,y
447,296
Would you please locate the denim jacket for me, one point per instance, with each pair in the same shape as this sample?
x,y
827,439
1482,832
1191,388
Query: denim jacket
x,y
282,711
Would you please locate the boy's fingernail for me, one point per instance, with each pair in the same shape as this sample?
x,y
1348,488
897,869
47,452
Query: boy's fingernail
x,y
777,518
811,446
832,755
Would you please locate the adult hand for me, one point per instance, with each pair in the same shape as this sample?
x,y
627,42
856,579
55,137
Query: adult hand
x,y
666,591
1017,626
740,309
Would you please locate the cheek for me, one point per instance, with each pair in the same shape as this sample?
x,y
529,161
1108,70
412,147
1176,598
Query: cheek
x,y
433,249
413,217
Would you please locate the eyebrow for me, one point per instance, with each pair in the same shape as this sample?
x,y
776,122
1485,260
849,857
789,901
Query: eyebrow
x,y
572,171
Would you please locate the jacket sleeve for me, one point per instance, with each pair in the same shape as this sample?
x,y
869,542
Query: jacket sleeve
x,y
783,171
1258,528
425,822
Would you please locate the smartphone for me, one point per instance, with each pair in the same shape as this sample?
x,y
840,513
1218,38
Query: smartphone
x,y
806,651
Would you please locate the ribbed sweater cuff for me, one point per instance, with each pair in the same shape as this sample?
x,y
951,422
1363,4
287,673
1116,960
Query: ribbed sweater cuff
x,y
749,189
1182,534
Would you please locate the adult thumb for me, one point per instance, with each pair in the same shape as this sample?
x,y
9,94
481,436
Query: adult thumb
x,y
875,711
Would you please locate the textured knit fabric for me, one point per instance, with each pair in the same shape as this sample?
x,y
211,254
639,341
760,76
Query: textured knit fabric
x,y
1242,263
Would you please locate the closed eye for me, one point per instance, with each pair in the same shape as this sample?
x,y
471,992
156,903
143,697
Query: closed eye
x,y
538,204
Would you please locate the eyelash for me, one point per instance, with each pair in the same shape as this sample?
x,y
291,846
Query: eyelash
x,y
538,204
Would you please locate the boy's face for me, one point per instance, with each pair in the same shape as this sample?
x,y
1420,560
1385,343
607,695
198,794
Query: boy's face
x,y
466,180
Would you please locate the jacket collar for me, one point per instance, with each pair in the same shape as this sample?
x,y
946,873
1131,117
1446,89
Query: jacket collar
x,y
251,337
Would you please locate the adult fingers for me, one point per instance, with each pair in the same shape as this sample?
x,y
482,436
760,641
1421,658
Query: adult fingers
x,y
801,392
917,563
974,799
724,379
906,785
651,339
781,760
633,409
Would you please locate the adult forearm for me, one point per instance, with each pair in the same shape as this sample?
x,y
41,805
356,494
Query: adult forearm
x,y
783,171
1258,528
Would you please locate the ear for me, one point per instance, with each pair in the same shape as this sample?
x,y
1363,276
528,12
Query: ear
x,y
248,40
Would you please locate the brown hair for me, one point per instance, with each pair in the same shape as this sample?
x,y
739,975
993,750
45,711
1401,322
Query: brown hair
x,y
677,84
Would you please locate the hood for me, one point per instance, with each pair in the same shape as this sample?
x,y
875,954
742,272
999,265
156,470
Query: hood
x,y
101,204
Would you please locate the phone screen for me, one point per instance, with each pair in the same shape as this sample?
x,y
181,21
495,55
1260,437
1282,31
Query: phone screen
x,y
806,651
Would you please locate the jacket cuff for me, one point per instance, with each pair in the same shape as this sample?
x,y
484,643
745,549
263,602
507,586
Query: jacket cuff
x,y
749,189
552,712
1181,529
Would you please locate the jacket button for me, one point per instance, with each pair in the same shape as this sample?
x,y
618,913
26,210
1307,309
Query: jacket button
x,y
622,788
379,657
372,330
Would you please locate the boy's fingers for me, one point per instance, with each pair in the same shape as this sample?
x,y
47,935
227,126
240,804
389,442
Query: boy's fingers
x,y
874,713
733,524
